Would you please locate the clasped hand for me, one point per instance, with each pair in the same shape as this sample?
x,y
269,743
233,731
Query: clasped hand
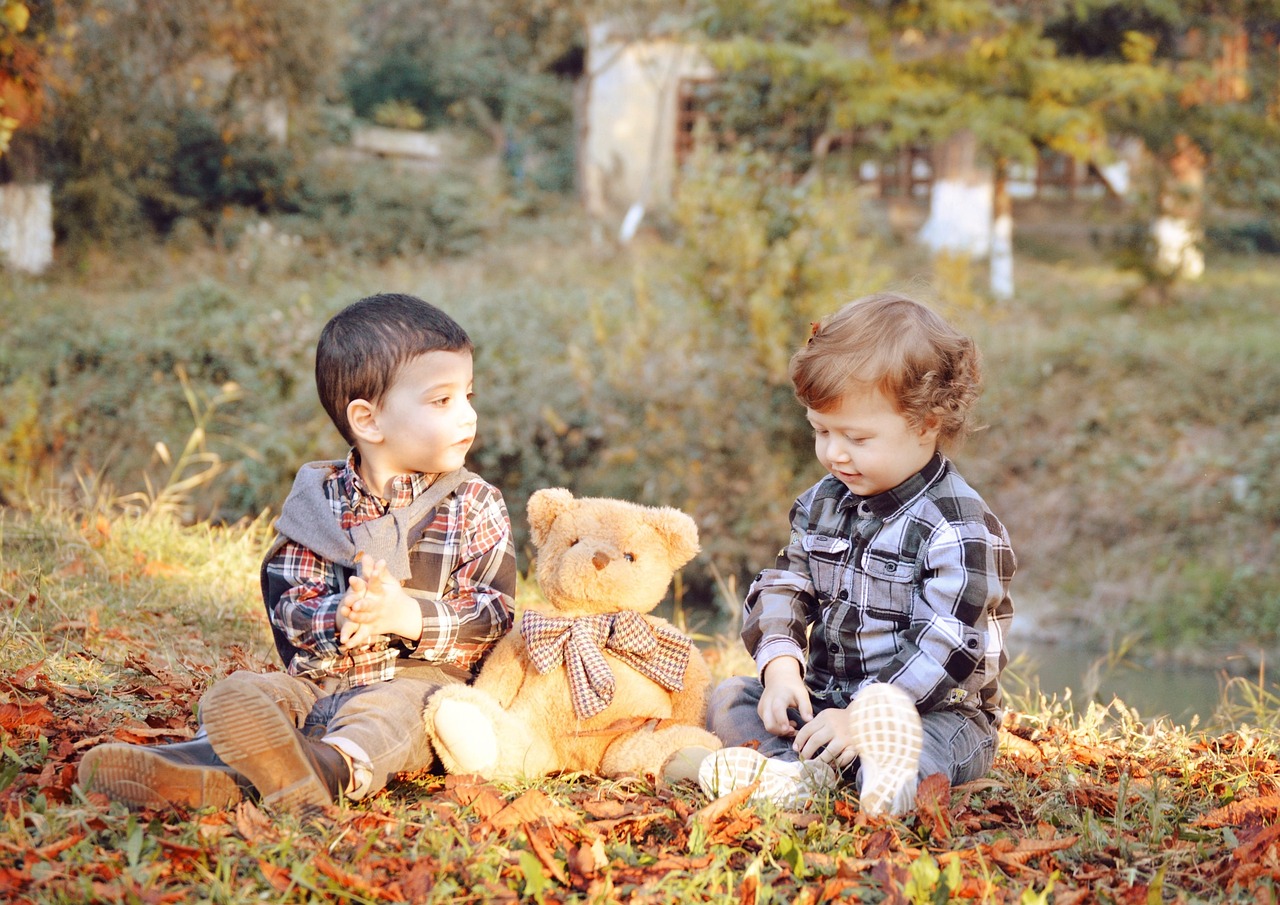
x,y
824,736
374,605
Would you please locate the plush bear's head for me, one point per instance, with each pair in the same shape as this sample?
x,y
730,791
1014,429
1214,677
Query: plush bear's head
x,y
601,556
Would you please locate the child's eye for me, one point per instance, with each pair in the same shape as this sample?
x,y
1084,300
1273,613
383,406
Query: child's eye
x,y
629,557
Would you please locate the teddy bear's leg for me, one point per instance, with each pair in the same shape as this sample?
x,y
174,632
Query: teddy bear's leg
x,y
471,733
459,723
648,751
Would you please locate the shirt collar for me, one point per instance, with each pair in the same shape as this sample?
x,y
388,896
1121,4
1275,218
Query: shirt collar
x,y
884,506
404,488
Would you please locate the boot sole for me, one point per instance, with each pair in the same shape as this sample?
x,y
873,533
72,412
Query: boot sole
x,y
884,727
143,779
252,735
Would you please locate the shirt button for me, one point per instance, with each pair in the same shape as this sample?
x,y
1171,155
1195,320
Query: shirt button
x,y
972,643
844,594
891,567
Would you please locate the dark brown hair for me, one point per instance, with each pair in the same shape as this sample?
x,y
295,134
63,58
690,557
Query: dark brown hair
x,y
930,371
364,346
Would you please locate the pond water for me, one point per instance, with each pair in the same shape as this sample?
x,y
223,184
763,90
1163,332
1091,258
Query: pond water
x,y
1180,694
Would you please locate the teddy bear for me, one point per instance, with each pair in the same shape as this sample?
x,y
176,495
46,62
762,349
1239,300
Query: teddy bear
x,y
588,682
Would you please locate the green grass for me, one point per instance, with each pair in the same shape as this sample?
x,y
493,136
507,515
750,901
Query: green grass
x,y
1129,449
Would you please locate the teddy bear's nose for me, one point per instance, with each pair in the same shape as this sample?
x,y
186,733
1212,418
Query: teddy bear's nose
x,y
600,559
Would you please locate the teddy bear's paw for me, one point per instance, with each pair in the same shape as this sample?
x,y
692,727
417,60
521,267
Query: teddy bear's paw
x,y
464,738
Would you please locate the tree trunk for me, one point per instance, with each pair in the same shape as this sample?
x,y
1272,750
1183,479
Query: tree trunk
x,y
960,204
1176,232
1002,236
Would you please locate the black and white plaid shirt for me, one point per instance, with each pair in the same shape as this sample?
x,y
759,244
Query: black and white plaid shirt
x,y
910,586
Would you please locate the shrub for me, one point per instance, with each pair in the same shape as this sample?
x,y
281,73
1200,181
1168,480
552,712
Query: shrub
x,y
376,211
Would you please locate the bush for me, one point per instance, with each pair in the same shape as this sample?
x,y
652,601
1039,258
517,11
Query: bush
x,y
376,211
771,253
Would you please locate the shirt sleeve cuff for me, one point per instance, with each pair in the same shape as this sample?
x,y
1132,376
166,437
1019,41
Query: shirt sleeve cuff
x,y
775,648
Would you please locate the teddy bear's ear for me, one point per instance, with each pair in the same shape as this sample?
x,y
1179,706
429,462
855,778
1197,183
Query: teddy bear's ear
x,y
544,507
679,532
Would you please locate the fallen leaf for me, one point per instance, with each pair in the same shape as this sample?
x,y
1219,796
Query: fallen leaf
x,y
532,807
14,715
279,877
723,805
1237,813
542,850
933,799
253,824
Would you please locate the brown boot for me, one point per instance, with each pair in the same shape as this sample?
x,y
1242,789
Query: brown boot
x,y
255,738
185,774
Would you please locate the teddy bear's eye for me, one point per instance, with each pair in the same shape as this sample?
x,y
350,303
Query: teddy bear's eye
x,y
629,557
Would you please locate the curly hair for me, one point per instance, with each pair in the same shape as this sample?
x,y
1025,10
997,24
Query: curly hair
x,y
897,345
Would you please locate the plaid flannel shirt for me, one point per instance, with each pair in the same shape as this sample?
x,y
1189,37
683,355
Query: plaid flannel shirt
x,y
909,586
463,576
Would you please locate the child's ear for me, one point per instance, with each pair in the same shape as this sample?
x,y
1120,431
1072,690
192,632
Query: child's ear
x,y
930,427
362,417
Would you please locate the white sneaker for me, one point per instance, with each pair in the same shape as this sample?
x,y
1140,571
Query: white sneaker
x,y
789,784
885,730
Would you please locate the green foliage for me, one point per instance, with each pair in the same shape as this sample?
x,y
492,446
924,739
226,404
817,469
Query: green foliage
x,y
108,426
770,253
497,67
157,107
398,115
376,211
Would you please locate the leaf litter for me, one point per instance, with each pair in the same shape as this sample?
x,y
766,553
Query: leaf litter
x,y
1071,813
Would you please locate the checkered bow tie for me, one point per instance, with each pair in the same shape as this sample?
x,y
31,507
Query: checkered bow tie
x,y
658,652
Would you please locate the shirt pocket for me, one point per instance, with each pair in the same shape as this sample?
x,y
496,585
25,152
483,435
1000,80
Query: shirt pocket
x,y
828,564
889,588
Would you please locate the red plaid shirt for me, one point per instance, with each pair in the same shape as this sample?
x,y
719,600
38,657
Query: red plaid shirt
x,y
463,576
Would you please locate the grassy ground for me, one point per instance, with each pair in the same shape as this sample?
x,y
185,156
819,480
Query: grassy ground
x,y
1130,450
113,624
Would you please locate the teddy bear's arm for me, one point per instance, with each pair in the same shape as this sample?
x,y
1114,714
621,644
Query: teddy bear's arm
x,y
504,669
689,704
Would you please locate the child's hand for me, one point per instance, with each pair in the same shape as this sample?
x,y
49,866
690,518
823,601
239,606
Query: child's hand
x,y
827,737
375,604
369,606
784,689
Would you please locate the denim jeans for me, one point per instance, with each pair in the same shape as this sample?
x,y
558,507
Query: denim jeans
x,y
958,746
378,726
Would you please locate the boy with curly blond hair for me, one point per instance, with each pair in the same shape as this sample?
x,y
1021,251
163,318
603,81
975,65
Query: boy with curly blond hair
x,y
879,633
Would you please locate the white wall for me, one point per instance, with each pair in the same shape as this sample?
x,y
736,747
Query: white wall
x,y
26,226
630,119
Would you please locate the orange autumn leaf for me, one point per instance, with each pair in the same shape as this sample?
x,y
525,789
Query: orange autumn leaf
x,y
23,675
352,883
279,877
542,849
1237,813
534,807
933,800
14,715
723,805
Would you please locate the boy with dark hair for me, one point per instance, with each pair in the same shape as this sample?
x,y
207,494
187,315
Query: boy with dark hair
x,y
879,632
393,573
